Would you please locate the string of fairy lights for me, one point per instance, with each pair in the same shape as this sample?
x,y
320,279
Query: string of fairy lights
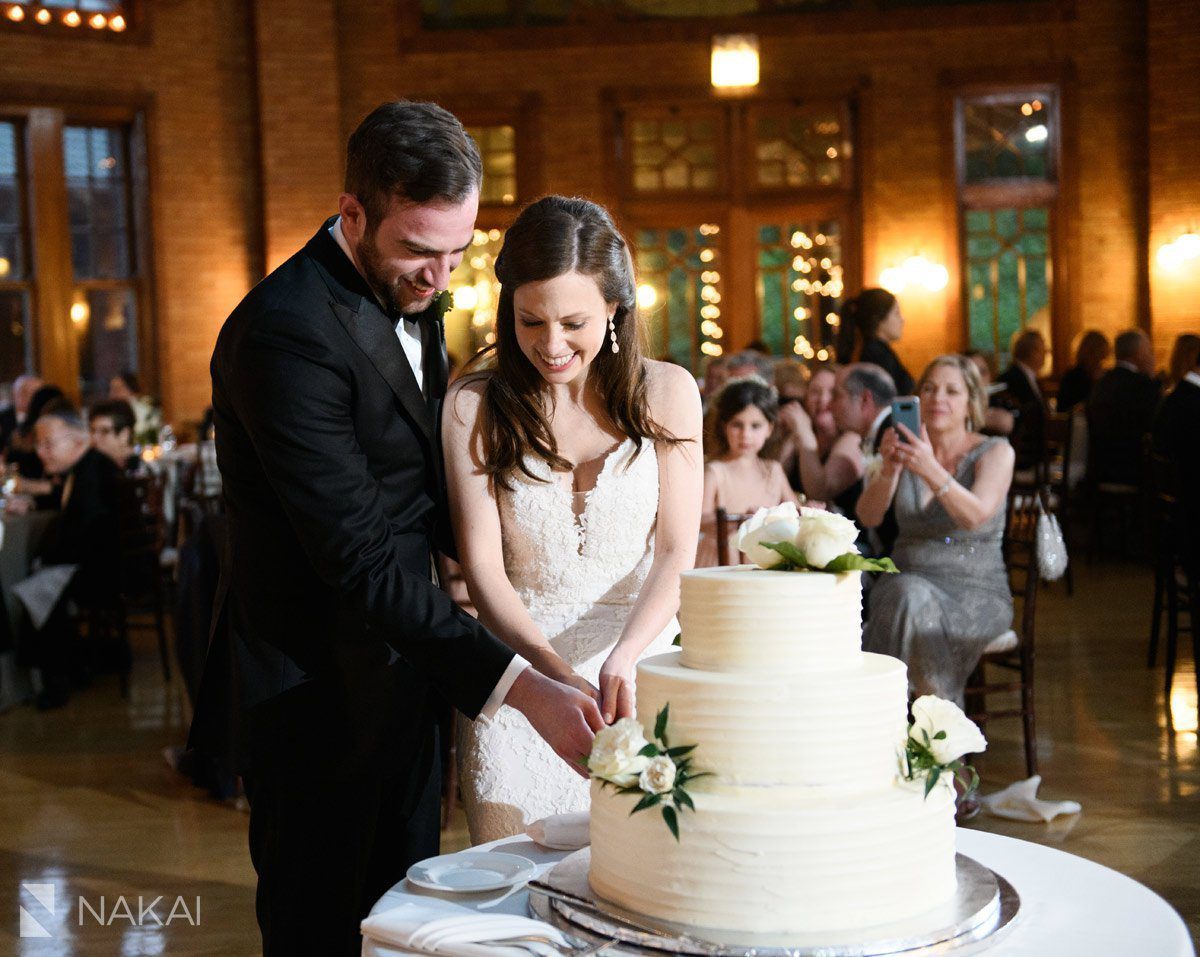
x,y
46,16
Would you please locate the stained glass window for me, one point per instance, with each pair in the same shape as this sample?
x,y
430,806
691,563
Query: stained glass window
x,y
1009,137
679,292
800,276
99,203
1007,273
799,147
675,154
498,149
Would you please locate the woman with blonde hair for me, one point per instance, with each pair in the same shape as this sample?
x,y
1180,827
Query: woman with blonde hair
x,y
949,486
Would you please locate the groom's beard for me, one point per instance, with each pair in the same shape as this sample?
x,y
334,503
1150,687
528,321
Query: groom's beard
x,y
391,290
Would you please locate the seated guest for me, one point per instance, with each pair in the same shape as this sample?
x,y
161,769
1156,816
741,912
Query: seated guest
x,y
1184,356
33,480
871,322
1000,415
1091,352
814,413
741,476
83,534
111,424
125,387
862,406
949,486
13,417
1021,388
1176,432
1120,412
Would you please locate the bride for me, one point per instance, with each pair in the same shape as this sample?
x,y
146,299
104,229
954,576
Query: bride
x,y
575,478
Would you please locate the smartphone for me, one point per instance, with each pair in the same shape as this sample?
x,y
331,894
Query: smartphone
x,y
906,411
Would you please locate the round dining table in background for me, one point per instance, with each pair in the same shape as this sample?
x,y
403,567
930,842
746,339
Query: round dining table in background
x,y
1070,906
20,539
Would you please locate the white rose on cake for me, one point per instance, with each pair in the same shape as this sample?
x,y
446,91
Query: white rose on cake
x,y
931,715
659,776
824,536
778,524
615,754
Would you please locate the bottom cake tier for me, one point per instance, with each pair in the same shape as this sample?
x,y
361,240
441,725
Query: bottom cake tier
x,y
777,860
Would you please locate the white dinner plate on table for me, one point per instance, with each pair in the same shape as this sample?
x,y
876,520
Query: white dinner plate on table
x,y
470,871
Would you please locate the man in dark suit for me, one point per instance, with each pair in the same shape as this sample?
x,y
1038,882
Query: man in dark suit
x,y
331,644
1022,391
862,403
1176,434
83,534
1120,411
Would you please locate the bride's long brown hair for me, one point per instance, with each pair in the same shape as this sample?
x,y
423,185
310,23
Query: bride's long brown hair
x,y
551,237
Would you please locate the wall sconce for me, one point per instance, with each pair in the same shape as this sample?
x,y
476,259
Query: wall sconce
x,y
915,272
1175,255
734,62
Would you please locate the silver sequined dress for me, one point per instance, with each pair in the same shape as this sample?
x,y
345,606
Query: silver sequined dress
x,y
951,597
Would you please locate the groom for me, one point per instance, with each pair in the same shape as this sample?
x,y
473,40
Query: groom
x,y
332,646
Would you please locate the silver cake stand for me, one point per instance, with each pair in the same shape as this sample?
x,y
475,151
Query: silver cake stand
x,y
981,913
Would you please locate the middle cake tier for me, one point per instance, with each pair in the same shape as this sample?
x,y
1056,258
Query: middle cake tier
x,y
834,729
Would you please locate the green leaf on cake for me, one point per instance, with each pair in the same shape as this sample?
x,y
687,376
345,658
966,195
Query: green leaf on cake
x,y
660,726
683,799
791,555
681,751
854,562
678,642
672,820
932,779
649,751
650,800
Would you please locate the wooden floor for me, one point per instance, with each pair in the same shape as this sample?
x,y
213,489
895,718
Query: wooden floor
x,y
88,804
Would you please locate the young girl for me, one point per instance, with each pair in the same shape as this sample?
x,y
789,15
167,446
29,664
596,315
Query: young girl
x,y
740,476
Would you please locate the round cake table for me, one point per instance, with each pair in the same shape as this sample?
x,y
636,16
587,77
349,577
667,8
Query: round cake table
x,y
1070,907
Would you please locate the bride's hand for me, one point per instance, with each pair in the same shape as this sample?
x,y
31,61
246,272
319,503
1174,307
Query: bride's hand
x,y
561,672
616,687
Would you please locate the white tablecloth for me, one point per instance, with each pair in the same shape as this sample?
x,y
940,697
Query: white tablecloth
x,y
1070,907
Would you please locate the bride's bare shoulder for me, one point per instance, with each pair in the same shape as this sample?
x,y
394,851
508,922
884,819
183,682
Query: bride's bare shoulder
x,y
465,395
670,388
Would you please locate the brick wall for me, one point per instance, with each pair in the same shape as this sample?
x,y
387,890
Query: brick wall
x,y
197,66
251,104
1174,28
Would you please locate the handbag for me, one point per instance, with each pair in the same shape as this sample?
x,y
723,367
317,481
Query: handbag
x,y
1051,546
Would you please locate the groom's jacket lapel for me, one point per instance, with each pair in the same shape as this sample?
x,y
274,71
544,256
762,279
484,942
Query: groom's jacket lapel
x,y
372,331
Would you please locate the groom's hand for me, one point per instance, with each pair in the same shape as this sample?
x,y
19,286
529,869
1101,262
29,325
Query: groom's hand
x,y
565,717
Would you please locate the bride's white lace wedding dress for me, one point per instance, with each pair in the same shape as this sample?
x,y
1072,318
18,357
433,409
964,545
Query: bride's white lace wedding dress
x,y
578,573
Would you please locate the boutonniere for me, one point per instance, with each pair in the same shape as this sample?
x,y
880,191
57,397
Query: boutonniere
x,y
443,302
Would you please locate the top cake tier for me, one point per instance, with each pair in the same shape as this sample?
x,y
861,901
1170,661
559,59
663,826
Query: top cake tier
x,y
747,619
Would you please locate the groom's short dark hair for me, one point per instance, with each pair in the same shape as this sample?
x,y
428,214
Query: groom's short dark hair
x,y
413,151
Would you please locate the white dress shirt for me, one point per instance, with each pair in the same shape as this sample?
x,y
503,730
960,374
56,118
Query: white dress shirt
x,y
409,333
868,442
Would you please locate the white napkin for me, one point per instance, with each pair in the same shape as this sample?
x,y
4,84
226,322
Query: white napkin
x,y
561,832
41,591
445,928
1020,802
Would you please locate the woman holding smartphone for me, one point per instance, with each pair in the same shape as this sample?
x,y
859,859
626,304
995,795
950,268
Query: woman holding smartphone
x,y
949,485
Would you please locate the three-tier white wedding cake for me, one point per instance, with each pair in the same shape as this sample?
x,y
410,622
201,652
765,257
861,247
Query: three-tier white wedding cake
x,y
804,824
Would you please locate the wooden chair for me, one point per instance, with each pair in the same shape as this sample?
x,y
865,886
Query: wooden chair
x,y
1176,583
727,523
1012,652
1060,437
141,534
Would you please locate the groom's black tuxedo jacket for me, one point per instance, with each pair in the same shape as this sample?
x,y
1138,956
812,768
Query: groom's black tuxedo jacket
x,y
329,638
